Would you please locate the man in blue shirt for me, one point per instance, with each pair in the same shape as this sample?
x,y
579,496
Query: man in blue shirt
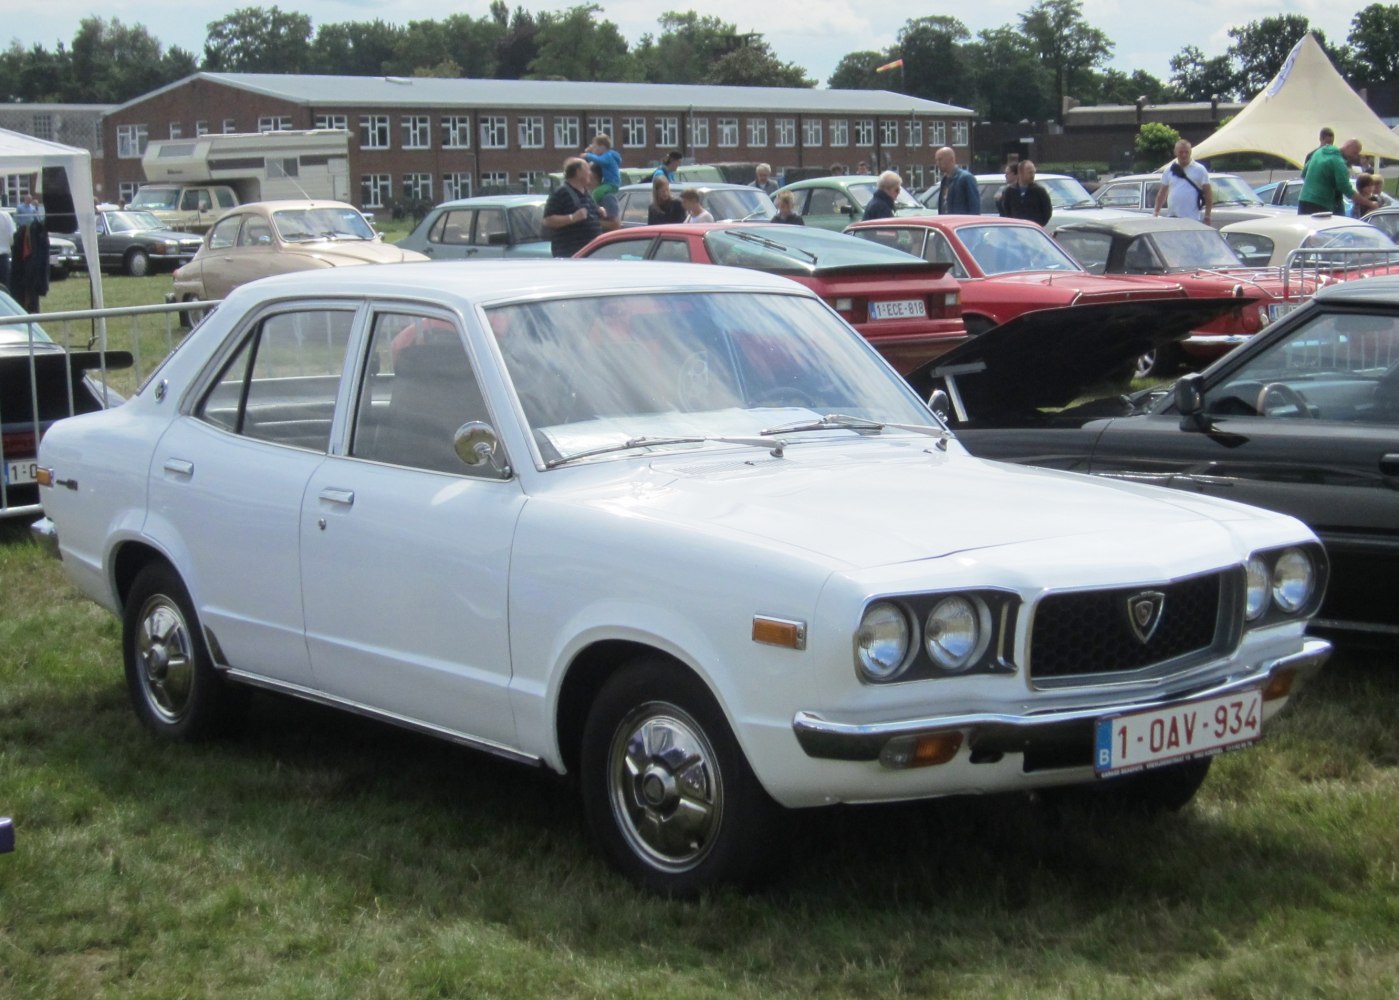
x,y
958,194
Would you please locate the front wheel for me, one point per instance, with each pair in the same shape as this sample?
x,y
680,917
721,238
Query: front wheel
x,y
667,793
138,262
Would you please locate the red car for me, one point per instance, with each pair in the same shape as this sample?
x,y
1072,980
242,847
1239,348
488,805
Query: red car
x,y
1006,266
909,310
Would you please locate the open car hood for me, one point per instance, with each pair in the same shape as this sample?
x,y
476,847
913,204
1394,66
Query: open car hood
x,y
1050,357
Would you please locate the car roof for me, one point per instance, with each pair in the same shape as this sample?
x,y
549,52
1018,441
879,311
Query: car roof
x,y
1292,223
1382,288
1039,175
507,200
273,206
834,179
697,185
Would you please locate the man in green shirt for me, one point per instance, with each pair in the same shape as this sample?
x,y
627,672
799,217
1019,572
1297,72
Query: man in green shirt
x,y
1326,178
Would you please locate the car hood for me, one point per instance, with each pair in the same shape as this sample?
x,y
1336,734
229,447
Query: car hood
x,y
930,504
1090,286
1049,357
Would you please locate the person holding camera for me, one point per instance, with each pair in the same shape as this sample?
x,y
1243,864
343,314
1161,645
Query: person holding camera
x,y
1185,188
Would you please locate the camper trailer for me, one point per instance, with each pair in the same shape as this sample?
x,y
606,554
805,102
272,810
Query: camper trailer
x,y
191,182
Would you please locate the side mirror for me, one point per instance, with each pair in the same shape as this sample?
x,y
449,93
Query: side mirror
x,y
1190,402
941,405
498,239
476,444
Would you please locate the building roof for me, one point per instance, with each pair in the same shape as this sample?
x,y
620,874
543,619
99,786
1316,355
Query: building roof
x,y
397,91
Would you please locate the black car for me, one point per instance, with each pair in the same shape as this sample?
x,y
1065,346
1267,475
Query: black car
x,y
136,243
1302,419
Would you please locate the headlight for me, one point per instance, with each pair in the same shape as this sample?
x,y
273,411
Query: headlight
x,y
956,632
882,642
1260,577
1292,580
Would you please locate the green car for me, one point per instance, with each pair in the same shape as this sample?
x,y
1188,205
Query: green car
x,y
835,202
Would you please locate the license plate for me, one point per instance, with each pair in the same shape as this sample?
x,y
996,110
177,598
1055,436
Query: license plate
x,y
1195,729
21,472
899,309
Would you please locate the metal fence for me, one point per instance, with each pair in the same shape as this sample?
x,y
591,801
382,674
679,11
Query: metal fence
x,y
1322,265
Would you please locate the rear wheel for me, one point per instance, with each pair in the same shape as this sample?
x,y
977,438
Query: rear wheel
x,y
1160,363
190,318
138,262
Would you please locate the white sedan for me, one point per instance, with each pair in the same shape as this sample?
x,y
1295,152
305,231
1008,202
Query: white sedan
x,y
677,532
1267,242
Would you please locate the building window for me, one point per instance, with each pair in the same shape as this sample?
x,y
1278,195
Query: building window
x,y
602,126
456,131
939,134
417,187
131,141
535,181
698,129
811,132
728,132
634,131
374,132
417,131
864,132
566,129
456,186
959,133
786,129
493,133
375,190
177,130
531,129
229,126
889,133
341,122
668,132
274,123
126,190
757,131
201,127
914,131
840,132
43,129
497,179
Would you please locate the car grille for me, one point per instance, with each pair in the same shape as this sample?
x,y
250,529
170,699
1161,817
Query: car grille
x,y
1090,632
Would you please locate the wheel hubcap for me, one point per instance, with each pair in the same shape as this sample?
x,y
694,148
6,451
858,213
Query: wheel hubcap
x,y
666,790
165,656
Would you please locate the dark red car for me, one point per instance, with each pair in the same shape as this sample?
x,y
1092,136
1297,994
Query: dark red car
x,y
909,310
1006,267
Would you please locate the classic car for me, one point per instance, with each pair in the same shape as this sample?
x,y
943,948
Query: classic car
x,y
1289,193
1234,200
507,225
66,384
1386,220
1005,266
136,243
907,308
1201,260
726,202
280,237
835,202
1069,198
1267,242
673,531
1302,419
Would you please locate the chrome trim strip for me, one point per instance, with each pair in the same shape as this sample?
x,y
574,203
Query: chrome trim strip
x,y
832,739
321,698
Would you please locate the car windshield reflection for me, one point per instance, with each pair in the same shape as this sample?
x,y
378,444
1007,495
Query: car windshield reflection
x,y
1233,191
1189,249
301,225
1006,249
1065,192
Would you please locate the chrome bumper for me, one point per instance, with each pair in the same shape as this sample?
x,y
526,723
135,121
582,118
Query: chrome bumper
x,y
989,732
45,532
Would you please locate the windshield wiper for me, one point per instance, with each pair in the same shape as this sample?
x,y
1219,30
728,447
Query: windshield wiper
x,y
763,241
845,422
775,448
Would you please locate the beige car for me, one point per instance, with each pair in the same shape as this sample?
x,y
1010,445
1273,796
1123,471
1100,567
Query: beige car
x,y
277,237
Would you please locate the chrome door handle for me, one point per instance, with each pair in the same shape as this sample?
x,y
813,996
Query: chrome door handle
x,y
179,467
345,498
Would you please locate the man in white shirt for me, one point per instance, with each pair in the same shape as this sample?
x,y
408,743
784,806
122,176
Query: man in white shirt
x,y
1185,188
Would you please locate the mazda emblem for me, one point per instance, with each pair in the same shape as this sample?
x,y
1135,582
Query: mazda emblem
x,y
1144,613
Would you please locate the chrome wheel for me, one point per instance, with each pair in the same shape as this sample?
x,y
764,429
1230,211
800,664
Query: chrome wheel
x,y
138,263
165,658
666,790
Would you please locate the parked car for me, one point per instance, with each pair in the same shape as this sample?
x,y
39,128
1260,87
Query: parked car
x,y
190,207
1070,200
507,225
907,308
1005,266
137,243
276,237
1267,242
1289,193
29,359
1234,200
672,531
726,202
835,202
1386,220
1302,419
1201,260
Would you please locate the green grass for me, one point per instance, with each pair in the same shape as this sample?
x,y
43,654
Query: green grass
x,y
322,856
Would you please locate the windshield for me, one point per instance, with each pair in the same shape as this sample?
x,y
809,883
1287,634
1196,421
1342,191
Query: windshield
x,y
727,204
1006,249
596,373
1189,249
301,225
1066,192
864,191
131,222
156,198
1357,237
528,222
798,248
19,333
1233,191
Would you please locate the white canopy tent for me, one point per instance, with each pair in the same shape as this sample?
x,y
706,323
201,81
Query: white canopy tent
x,y
24,154
1306,95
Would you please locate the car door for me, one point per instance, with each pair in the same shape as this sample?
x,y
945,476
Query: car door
x,y
449,236
491,237
240,248
228,481
405,550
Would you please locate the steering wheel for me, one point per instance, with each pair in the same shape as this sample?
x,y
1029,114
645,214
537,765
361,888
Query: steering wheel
x,y
1277,396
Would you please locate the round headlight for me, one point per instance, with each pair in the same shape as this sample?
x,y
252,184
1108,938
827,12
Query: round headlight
x,y
1259,580
1292,580
882,642
956,632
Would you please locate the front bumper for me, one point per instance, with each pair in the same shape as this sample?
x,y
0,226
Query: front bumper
x,y
45,532
828,737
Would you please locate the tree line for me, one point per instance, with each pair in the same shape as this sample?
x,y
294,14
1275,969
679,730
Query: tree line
x,y
1021,70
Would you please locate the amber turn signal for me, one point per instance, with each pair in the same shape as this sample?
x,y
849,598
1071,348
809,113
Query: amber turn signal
x,y
44,477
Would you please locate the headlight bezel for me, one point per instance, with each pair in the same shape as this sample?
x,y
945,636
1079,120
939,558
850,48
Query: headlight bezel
x,y
1282,601
991,653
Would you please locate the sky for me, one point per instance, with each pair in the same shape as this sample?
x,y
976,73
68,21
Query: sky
x,y
814,34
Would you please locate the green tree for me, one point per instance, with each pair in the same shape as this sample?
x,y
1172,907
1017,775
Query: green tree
x,y
1261,47
578,45
754,65
687,47
259,40
356,48
36,74
936,66
1374,37
1061,37
1196,78
1113,86
1155,143
856,71
1012,83
517,43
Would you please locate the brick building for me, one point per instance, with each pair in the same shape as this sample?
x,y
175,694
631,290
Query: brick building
x,y
427,139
